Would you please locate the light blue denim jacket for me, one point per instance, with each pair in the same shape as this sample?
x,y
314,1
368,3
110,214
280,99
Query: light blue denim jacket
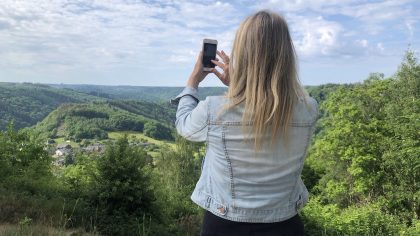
x,y
237,183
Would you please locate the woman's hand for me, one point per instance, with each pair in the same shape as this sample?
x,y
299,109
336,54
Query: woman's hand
x,y
197,75
224,77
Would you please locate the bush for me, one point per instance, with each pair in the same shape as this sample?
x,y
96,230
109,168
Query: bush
x,y
368,219
24,164
175,176
157,131
123,195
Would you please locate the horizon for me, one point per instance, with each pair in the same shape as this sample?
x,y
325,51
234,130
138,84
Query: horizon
x,y
155,43
155,86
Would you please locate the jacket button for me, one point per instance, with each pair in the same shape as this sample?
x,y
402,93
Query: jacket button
x,y
221,210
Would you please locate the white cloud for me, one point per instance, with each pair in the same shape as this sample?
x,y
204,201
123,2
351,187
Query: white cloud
x,y
315,36
375,16
363,42
300,5
45,37
380,47
410,24
97,34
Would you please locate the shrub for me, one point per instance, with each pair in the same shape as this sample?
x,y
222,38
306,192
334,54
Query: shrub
x,y
123,196
368,219
157,131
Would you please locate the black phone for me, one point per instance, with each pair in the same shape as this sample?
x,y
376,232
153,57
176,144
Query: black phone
x,y
209,53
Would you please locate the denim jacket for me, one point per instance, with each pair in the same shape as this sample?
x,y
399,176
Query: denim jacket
x,y
238,183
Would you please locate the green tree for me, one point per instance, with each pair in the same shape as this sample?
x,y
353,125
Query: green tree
x,y
369,141
123,195
157,130
175,175
24,164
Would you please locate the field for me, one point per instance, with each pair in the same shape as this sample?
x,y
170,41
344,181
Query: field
x,y
62,140
137,136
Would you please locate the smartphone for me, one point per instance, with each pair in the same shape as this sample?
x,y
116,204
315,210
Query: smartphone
x,y
209,53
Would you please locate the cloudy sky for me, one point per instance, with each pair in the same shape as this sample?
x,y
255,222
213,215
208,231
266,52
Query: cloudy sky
x,y
155,43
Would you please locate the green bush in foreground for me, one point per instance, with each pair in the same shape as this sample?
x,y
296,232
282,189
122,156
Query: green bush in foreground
x,y
123,196
175,174
368,219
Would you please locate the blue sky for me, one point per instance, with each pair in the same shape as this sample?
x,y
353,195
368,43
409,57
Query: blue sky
x,y
155,43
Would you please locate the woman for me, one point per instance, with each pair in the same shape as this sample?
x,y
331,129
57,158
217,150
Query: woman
x,y
256,135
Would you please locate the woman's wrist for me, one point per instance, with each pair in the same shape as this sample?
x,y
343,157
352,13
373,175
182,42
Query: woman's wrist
x,y
192,83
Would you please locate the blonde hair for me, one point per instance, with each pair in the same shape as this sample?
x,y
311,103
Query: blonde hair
x,y
263,75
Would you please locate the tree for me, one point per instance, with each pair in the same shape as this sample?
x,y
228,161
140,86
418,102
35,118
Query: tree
x,y
157,130
24,163
175,175
123,194
368,146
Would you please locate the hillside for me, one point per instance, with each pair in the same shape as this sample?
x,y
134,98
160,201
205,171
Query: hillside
x,y
144,93
94,120
361,169
27,103
163,94
321,92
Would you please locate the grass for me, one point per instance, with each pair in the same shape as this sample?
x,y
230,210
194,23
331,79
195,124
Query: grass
x,y
115,135
20,230
27,214
132,136
137,135
62,140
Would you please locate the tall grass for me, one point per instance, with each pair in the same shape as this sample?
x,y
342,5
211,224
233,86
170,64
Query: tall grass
x,y
41,230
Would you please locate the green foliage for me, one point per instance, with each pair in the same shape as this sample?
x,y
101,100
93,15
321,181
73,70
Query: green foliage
x,y
28,187
176,173
122,195
163,113
367,219
157,131
362,169
367,150
94,121
321,92
28,103
23,162
143,93
80,176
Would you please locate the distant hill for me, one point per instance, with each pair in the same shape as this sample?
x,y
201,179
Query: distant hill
x,y
28,103
163,94
321,92
95,120
144,93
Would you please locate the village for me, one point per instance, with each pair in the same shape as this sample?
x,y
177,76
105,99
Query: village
x,y
63,153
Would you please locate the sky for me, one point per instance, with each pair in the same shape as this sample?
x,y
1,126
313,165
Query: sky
x,y
155,43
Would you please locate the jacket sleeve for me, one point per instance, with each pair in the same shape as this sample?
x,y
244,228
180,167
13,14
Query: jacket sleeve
x,y
191,116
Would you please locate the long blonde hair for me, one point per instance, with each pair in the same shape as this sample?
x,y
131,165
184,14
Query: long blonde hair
x,y
263,75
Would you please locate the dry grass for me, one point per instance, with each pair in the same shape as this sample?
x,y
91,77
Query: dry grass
x,y
41,230
35,215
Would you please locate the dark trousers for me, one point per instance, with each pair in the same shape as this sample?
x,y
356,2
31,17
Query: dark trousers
x,y
214,225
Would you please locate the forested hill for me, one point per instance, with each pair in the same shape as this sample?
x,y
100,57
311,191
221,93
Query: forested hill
x,y
163,94
144,93
28,103
95,120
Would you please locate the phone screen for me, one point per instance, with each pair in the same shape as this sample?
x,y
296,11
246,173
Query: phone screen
x,y
209,53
